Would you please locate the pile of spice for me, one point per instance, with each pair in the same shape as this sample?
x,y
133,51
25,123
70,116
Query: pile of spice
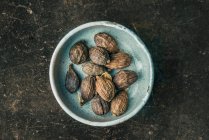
x,y
105,92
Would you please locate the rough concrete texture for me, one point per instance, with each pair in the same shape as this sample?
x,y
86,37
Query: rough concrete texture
x,y
175,32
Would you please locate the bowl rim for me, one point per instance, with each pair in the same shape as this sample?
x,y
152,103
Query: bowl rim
x,y
52,79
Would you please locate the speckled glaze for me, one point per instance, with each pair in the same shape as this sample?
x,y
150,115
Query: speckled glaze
x,y
138,93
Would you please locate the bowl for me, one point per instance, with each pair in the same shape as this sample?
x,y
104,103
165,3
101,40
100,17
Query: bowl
x,y
129,42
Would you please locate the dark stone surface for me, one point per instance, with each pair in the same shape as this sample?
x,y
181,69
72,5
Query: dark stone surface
x,y
176,33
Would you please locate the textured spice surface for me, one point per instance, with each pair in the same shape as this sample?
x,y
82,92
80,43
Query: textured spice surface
x,y
99,55
119,60
88,88
124,78
106,41
92,69
105,88
72,81
119,103
99,106
175,32
79,53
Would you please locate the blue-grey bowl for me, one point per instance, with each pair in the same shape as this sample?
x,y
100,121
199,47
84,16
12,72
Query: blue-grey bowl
x,y
129,42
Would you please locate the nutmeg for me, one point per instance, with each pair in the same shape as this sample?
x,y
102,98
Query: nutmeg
x,y
124,78
99,106
99,56
106,41
119,60
79,53
105,88
92,69
72,80
88,88
119,103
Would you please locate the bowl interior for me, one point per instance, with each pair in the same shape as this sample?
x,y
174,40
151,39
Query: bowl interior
x,y
141,64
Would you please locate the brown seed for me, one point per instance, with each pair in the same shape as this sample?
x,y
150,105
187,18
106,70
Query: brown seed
x,y
99,106
88,88
119,103
92,69
119,60
105,88
79,53
99,56
106,41
124,78
72,80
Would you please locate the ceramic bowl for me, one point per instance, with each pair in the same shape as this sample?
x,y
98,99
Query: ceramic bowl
x,y
129,42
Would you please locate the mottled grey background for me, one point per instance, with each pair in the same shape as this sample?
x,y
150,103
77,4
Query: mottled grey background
x,y
175,32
